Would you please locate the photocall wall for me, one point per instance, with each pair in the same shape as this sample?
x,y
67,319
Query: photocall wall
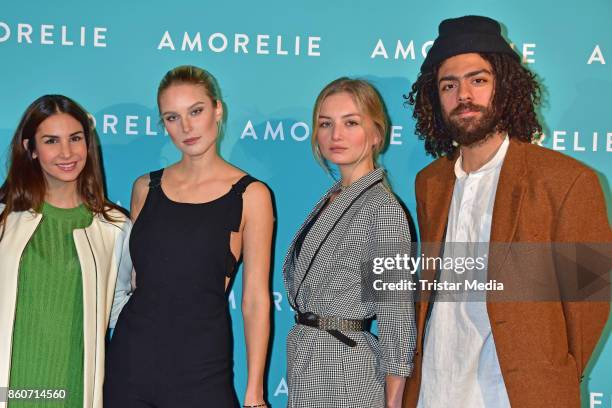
x,y
271,59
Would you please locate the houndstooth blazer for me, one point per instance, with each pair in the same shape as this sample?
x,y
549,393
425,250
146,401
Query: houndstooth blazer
x,y
362,222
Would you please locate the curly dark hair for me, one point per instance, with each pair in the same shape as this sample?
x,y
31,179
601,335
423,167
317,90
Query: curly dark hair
x,y
517,93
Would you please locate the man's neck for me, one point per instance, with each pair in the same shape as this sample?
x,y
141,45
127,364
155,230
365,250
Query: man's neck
x,y
479,154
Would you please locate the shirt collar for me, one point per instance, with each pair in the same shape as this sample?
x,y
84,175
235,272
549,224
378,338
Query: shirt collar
x,y
495,162
361,183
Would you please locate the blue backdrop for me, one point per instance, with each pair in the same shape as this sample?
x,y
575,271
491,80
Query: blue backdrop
x,y
271,60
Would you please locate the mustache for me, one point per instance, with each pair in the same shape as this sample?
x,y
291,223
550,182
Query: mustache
x,y
467,107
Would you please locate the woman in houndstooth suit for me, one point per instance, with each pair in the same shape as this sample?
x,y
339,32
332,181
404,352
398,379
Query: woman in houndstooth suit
x,y
333,361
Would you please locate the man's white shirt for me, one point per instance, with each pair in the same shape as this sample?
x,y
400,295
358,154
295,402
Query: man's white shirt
x,y
460,366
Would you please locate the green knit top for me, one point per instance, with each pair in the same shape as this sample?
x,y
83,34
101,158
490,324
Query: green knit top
x,y
47,350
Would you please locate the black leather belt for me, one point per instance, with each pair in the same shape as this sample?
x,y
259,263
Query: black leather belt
x,y
332,325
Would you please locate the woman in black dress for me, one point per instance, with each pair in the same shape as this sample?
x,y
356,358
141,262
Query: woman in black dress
x,y
172,346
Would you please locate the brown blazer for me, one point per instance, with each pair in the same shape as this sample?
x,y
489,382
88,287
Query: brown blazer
x,y
542,196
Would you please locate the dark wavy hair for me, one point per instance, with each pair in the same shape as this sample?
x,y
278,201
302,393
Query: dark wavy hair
x,y
516,95
25,186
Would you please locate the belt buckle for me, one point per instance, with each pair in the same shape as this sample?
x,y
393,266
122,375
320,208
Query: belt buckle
x,y
308,318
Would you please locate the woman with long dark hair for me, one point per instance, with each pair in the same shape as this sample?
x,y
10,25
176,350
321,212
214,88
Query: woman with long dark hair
x,y
63,258
193,221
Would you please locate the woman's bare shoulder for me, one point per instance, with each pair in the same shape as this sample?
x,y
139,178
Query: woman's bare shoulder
x,y
141,185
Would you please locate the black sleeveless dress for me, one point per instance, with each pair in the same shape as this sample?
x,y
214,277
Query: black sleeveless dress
x,y
172,346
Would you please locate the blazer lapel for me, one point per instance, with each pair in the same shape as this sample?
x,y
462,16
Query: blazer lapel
x,y
438,196
506,209
89,273
20,227
328,219
289,267
438,200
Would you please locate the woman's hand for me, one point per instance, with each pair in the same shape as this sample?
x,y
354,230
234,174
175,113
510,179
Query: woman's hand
x,y
394,390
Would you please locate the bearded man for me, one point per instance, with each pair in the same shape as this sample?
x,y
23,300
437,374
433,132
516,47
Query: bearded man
x,y
474,105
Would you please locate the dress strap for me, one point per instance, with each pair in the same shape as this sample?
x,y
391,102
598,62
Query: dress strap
x,y
155,178
235,214
242,184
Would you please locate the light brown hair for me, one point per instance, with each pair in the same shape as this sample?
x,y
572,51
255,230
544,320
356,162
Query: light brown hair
x,y
368,101
189,74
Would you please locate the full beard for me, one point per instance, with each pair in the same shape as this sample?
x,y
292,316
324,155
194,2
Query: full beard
x,y
472,130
